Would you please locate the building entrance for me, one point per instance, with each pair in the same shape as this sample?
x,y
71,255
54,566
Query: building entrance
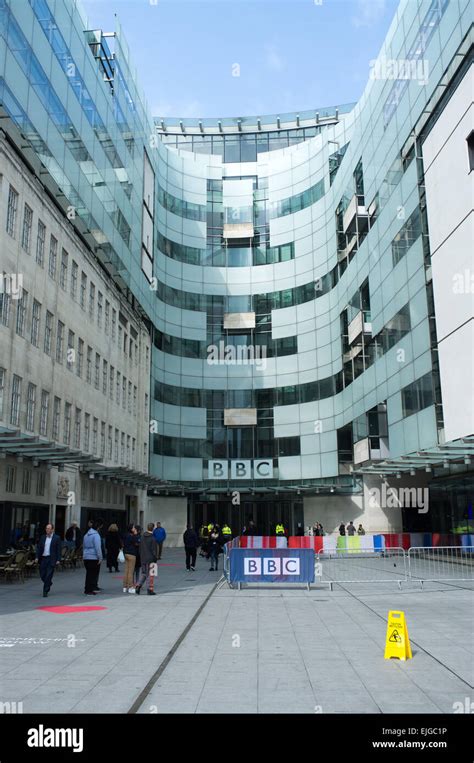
x,y
265,514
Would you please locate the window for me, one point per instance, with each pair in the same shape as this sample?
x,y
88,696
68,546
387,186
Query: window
x,y
74,274
16,398
146,406
44,413
470,150
417,395
105,373
89,365
128,451
102,439
35,323
91,300
31,407
11,211
100,308
124,392
2,390
53,256
40,483
129,396
21,313
134,448
114,322
122,449
5,303
63,271
59,342
56,418
87,431
40,241
27,227
48,332
111,382
26,482
10,482
71,354
109,443
97,371
77,428
134,400
82,300
117,392
116,446
67,423
80,357
406,236
95,427
107,317
120,342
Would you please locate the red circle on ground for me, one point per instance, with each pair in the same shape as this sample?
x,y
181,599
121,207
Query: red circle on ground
x,y
65,609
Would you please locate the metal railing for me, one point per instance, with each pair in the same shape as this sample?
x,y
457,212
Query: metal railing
x,y
388,565
439,563
384,566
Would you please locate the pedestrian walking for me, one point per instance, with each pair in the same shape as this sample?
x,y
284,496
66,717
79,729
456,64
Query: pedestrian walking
x,y
191,543
49,556
113,544
299,530
360,530
138,562
73,536
148,555
92,557
159,533
130,550
342,529
215,547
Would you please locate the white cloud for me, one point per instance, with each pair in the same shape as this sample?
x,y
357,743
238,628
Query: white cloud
x,y
184,110
368,12
273,59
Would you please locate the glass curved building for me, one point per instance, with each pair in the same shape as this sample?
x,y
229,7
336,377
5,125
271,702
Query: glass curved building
x,y
296,272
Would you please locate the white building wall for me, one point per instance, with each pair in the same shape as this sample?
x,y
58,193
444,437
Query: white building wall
x,y
450,196
124,346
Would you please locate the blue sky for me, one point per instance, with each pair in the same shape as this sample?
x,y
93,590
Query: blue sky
x,y
292,54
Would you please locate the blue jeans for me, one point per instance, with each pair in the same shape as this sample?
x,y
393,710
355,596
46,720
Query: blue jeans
x,y
214,556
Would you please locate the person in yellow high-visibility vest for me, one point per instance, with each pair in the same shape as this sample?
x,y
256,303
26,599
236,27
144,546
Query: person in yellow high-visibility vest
x,y
280,529
210,526
226,532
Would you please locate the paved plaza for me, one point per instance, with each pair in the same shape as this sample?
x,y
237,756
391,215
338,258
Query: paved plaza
x,y
264,649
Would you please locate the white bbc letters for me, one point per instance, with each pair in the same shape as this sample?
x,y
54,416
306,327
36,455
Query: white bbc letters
x,y
272,565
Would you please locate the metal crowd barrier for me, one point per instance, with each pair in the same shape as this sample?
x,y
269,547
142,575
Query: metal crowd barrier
x,y
379,566
439,563
418,564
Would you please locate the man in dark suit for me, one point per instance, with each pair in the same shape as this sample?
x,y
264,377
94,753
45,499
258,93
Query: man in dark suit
x,y
74,536
49,556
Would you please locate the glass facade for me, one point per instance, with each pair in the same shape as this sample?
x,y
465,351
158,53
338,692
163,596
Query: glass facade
x,y
297,286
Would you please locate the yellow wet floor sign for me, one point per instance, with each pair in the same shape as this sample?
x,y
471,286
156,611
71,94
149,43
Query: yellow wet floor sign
x,y
397,643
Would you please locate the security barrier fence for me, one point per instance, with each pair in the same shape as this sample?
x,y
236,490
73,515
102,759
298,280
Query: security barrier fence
x,y
450,563
387,565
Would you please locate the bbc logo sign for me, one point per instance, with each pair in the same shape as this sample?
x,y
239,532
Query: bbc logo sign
x,y
271,566
261,469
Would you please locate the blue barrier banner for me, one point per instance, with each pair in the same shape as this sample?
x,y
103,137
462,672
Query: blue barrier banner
x,y
271,565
